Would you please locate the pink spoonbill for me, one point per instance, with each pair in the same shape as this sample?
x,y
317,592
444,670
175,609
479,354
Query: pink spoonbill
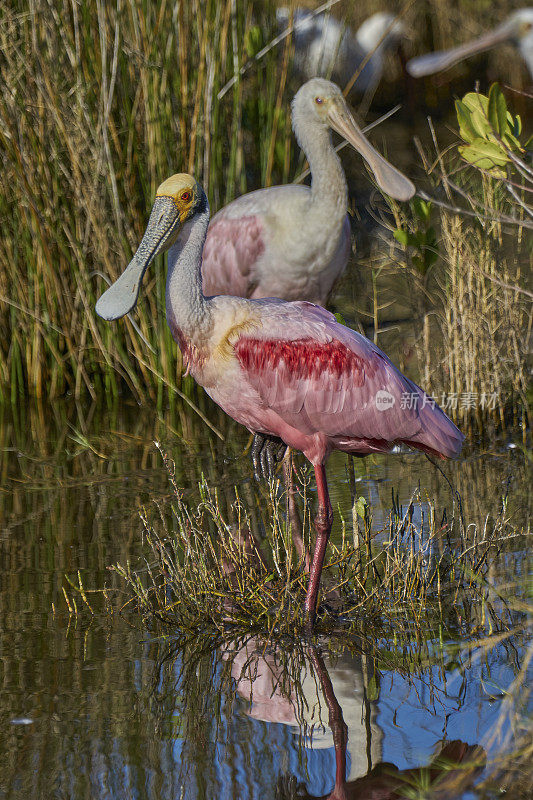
x,y
283,369
293,242
517,29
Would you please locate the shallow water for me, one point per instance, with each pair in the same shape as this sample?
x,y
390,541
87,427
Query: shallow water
x,y
99,707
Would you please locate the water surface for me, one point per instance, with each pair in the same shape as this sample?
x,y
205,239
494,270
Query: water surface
x,y
97,706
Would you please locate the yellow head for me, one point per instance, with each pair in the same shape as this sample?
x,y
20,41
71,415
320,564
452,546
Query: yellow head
x,y
177,200
184,192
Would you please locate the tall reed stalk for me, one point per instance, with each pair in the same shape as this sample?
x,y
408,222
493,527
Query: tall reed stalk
x,y
98,104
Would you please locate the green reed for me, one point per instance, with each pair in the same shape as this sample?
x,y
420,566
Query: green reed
x,y
99,104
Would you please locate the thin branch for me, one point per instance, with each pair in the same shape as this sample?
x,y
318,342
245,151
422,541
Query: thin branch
x,y
458,210
518,199
510,286
520,165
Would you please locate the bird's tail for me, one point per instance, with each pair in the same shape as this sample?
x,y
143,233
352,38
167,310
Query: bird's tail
x,y
438,434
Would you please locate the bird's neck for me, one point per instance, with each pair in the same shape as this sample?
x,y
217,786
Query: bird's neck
x,y
526,49
329,192
188,311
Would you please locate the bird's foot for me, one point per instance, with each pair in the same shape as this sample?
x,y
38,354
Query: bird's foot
x,y
267,452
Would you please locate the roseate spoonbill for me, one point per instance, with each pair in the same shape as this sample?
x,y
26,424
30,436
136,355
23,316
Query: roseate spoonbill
x,y
516,29
326,47
283,369
293,242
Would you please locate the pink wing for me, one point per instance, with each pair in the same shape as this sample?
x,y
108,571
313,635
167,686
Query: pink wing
x,y
231,250
321,377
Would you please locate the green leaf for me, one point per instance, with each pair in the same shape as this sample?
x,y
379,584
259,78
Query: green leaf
x,y
476,102
511,141
466,129
497,110
484,154
360,507
517,126
422,209
401,236
340,318
481,124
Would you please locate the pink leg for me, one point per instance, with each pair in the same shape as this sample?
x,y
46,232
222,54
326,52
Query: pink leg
x,y
336,723
294,516
323,522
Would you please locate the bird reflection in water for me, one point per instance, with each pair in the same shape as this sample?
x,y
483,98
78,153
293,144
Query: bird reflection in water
x,y
297,688
261,678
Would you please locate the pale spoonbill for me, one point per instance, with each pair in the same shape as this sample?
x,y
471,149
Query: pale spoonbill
x,y
517,29
293,242
326,47
283,369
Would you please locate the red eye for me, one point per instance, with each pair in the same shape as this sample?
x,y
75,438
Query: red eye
x,y
319,101
186,196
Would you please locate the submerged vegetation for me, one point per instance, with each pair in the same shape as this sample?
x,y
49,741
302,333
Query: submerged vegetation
x,y
424,567
303,683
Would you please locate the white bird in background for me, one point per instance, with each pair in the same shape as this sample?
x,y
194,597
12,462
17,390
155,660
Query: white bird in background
x,y
326,47
293,242
517,29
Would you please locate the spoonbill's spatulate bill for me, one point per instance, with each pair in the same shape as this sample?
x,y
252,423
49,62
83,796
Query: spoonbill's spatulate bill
x,y
517,29
326,47
293,242
286,370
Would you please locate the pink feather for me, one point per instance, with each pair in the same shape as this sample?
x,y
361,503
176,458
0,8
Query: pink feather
x,y
231,251
317,384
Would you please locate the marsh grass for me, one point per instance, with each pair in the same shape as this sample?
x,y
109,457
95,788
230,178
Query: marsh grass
x,y
422,569
467,261
213,669
98,103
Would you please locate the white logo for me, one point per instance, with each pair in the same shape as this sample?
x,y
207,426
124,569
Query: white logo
x,y
384,400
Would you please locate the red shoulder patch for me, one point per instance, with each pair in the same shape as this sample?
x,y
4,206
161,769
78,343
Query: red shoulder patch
x,y
304,358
